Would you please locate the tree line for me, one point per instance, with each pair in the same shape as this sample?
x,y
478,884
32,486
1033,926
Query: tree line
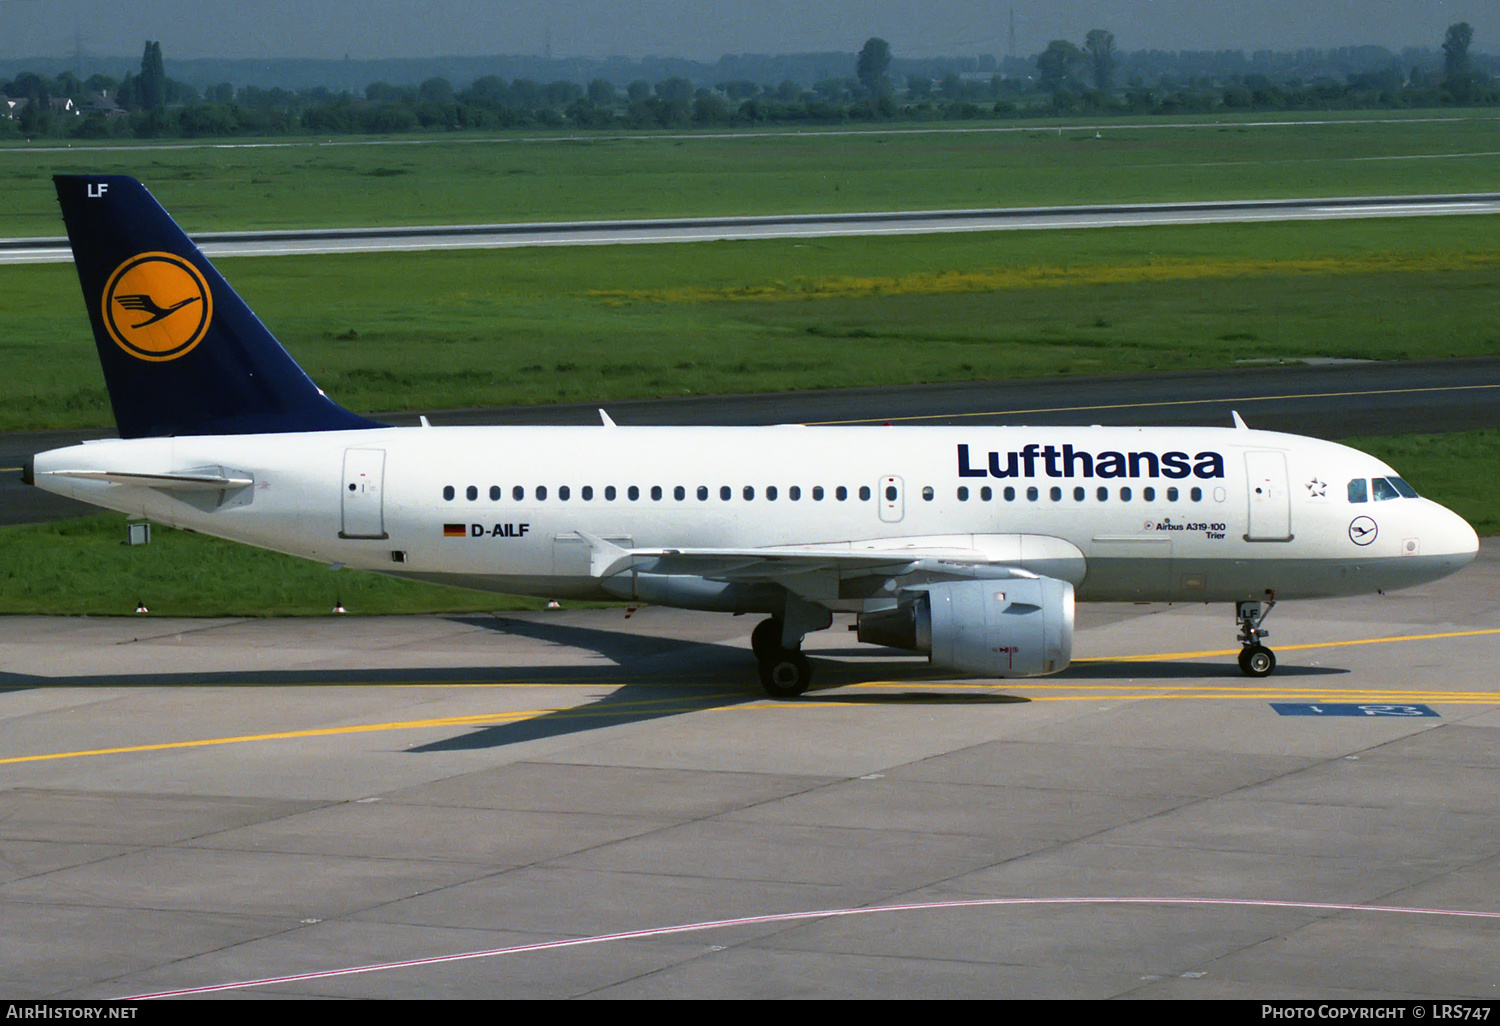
x,y
1066,78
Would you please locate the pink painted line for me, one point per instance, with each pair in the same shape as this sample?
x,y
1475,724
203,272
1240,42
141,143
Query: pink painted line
x,y
791,917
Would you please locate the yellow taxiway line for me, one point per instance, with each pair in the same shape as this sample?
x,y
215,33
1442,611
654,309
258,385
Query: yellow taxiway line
x,y
1210,653
1056,691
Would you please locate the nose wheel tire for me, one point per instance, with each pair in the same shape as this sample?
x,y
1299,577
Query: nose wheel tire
x,y
1257,661
785,673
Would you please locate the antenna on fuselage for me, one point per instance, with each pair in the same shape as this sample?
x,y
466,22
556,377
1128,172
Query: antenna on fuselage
x,y
605,418
1239,421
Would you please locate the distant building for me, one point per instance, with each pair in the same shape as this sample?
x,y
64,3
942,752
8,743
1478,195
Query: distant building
x,y
103,103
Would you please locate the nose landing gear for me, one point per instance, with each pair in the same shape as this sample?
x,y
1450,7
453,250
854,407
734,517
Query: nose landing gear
x,y
1256,660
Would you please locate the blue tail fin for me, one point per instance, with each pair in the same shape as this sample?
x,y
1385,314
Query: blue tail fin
x,y
182,354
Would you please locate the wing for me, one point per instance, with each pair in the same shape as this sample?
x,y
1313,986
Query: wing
x,y
846,570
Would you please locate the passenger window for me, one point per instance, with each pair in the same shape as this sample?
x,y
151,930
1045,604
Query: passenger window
x,y
656,493
1031,493
472,493
1196,494
563,493
679,493
1056,494
632,493
794,493
609,493
1171,494
986,493
541,492
587,491
494,493
841,493
1124,494
1010,494
963,495
703,493
725,492
1149,494
1078,494
817,493
864,493
518,493
749,493
448,492
770,493
928,493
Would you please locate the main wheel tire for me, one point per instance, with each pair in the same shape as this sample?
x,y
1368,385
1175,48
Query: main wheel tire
x,y
765,640
1257,661
785,673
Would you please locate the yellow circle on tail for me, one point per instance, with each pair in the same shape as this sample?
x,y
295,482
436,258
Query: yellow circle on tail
x,y
157,306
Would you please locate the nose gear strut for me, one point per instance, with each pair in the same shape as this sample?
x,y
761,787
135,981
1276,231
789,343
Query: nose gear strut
x,y
1256,660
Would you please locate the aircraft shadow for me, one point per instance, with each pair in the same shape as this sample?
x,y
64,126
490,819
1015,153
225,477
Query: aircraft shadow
x,y
652,677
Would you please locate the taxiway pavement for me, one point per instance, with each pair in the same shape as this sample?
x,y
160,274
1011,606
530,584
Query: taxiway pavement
x,y
589,804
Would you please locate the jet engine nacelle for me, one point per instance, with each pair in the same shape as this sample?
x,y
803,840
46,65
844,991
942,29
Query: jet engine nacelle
x,y
1020,627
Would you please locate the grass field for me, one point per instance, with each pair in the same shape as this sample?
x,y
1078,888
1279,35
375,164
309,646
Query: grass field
x,y
446,179
432,331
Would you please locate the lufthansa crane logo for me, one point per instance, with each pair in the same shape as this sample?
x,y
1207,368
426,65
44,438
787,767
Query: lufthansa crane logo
x,y
157,306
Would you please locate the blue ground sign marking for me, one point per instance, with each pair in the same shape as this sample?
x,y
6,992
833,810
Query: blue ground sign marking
x,y
1350,709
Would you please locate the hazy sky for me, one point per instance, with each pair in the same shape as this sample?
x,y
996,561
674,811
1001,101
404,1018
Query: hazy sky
x,y
692,28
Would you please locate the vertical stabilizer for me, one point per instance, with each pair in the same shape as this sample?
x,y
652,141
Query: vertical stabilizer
x,y
182,353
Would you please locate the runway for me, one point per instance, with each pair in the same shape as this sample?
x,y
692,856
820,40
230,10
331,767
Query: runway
x,y
582,803
713,229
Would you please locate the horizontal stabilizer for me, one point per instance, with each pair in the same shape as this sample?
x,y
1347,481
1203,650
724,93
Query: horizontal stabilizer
x,y
215,479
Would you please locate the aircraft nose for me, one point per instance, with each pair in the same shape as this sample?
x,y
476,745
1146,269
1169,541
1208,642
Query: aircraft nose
x,y
1452,536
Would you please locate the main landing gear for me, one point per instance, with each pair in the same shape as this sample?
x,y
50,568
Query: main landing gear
x,y
1256,660
784,672
777,644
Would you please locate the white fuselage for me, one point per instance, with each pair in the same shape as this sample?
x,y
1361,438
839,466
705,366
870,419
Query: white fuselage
x,y
1122,513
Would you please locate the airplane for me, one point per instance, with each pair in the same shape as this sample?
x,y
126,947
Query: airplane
x,y
970,545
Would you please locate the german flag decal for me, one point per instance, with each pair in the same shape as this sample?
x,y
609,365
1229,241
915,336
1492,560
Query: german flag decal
x,y
455,530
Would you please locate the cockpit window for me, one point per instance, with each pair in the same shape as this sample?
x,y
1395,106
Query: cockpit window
x,y
1383,488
